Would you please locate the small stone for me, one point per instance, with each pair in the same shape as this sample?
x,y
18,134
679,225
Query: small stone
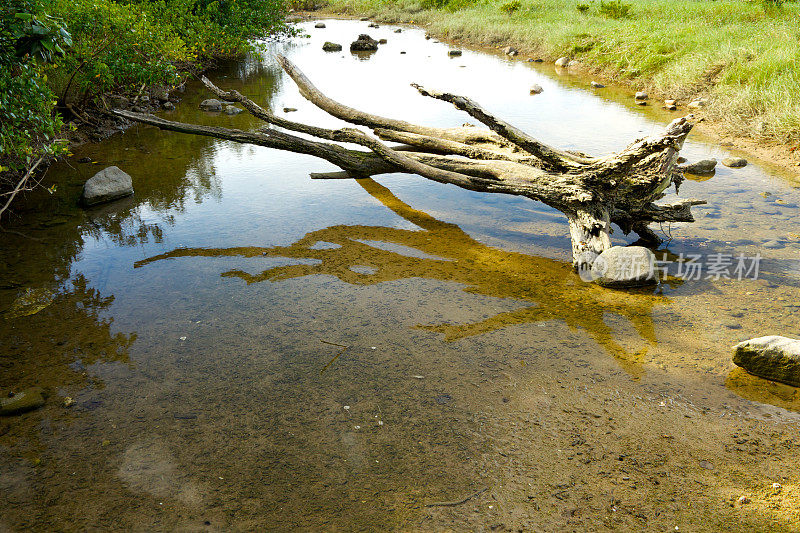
x,y
289,109
364,43
640,95
373,25
211,104
641,102
562,62
672,107
331,47
169,106
734,162
772,357
22,402
382,41
743,500
670,102
319,25
776,486
536,89
231,110
402,52
597,85
454,53
697,104
109,184
538,60
68,401
399,30
704,166
427,37
510,51
85,160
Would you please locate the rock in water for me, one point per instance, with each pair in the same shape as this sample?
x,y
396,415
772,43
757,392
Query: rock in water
x,y
364,43
510,51
704,166
169,106
597,85
109,184
734,162
624,266
319,25
211,104
562,62
773,357
536,89
30,303
641,95
231,110
332,47
454,53
21,402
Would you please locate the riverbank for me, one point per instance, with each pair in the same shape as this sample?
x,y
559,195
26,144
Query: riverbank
x,y
737,56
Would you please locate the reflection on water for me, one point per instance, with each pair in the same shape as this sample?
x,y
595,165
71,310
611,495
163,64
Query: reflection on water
x,y
550,286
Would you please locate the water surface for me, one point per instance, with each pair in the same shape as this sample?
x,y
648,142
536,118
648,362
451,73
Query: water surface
x,y
248,348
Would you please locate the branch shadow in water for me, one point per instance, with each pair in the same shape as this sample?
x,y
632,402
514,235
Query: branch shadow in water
x,y
367,255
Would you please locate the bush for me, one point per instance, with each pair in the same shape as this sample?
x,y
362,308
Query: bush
x,y
28,41
583,8
510,8
615,9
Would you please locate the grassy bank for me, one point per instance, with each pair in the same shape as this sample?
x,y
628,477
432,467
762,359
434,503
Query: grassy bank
x,y
743,56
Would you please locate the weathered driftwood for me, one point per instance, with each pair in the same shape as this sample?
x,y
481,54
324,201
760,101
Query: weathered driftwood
x,y
593,192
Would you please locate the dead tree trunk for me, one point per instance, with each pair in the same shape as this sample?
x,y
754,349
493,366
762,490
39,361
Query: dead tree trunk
x,y
593,192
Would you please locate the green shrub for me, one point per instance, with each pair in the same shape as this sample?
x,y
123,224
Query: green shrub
x,y
583,8
28,41
510,7
615,9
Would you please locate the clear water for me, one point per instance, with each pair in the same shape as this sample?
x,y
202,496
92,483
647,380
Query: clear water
x,y
249,349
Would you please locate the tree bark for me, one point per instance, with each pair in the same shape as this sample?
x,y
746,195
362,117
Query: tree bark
x,y
593,192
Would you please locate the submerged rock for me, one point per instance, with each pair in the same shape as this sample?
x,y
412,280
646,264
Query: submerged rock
x,y
704,166
169,106
734,162
454,53
640,95
536,89
22,402
562,62
211,104
231,110
30,303
109,184
773,357
382,41
364,43
332,47
399,30
624,266
597,85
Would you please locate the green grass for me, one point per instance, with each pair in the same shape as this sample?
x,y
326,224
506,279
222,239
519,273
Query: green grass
x,y
743,56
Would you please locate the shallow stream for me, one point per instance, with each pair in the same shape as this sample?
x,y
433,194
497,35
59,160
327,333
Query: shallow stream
x,y
250,349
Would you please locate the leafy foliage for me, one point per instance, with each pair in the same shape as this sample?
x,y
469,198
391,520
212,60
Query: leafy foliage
x,y
510,7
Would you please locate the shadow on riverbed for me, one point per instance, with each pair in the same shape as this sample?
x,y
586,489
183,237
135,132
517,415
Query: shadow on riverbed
x,y
367,255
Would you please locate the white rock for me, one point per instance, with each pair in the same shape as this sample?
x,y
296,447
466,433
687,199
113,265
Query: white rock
x,y
536,89
624,266
562,62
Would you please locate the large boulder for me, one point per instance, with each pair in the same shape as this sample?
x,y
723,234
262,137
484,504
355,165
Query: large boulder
x,y
109,184
773,357
624,266
331,47
702,167
364,43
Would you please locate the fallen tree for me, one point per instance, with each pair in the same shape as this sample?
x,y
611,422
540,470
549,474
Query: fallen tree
x,y
593,192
